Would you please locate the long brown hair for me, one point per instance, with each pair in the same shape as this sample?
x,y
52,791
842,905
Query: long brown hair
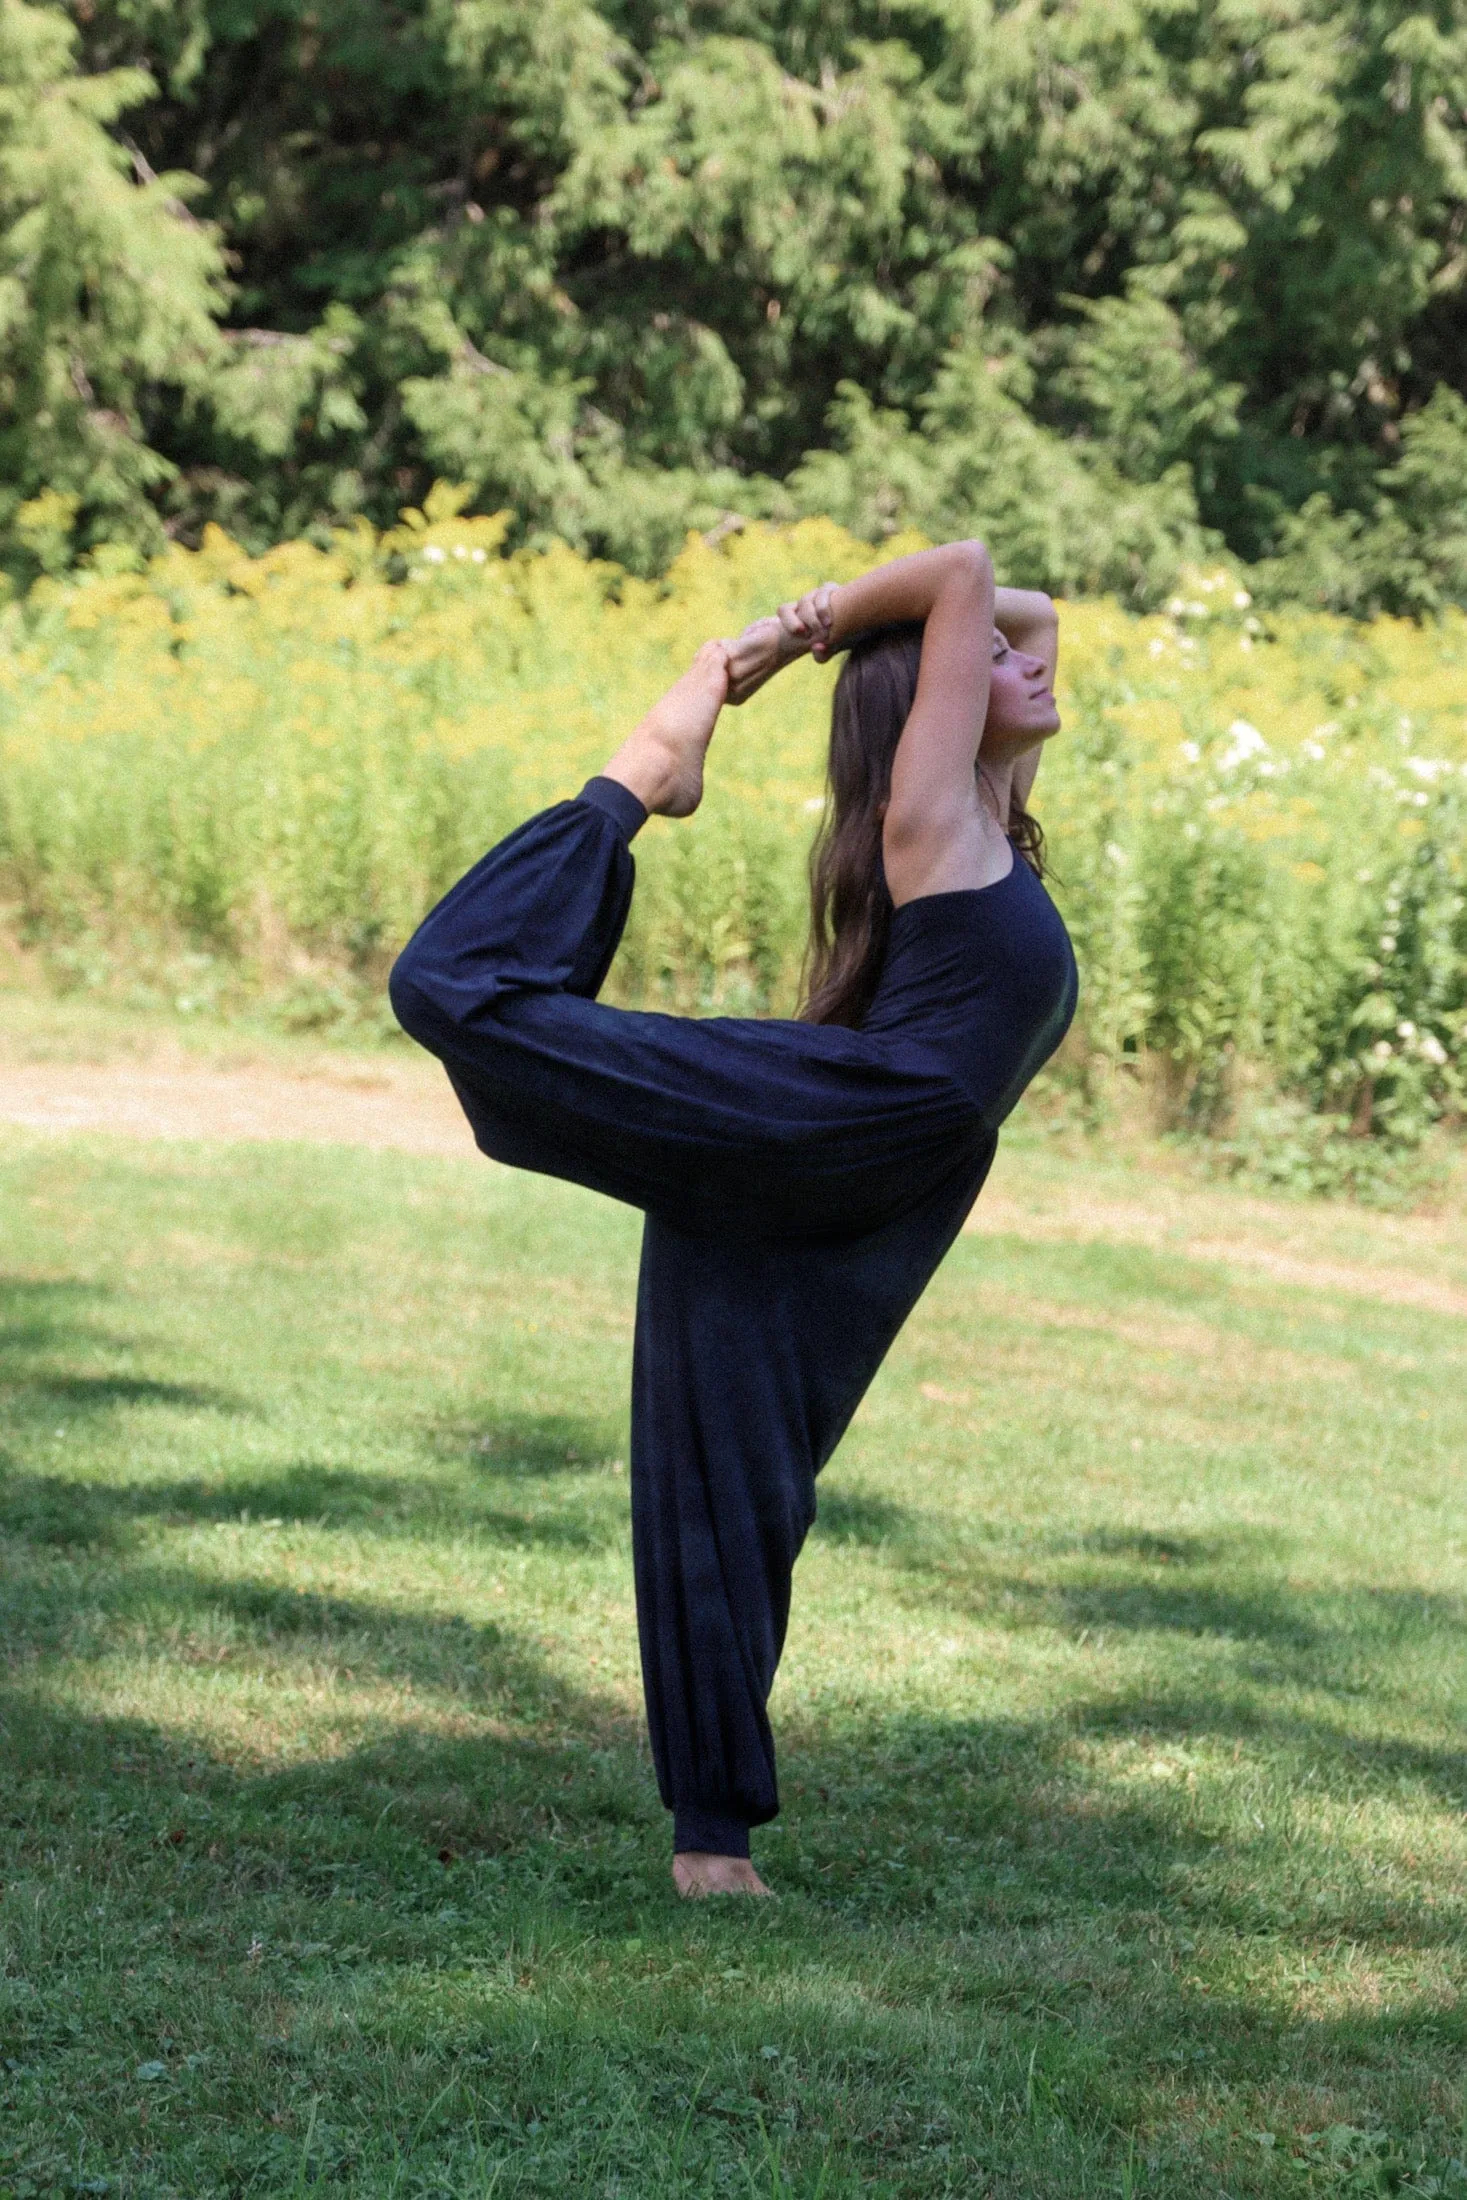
x,y
850,908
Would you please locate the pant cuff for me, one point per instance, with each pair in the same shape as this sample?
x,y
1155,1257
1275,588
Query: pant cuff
x,y
619,803
709,1831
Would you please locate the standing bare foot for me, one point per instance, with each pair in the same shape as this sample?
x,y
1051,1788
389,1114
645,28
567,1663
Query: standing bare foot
x,y
696,1874
662,760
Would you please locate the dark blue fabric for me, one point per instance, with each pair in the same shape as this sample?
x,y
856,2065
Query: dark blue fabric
x,y
800,1184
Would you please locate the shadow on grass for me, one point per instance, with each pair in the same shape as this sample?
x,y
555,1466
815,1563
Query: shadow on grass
x,y
915,1539
485,1482
250,1626
1218,1588
860,1517
42,1322
532,1445
66,1511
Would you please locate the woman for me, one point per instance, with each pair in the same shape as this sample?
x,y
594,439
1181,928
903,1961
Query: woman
x,y
800,1180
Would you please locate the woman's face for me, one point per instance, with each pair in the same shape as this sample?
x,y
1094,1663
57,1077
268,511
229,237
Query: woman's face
x,y
1021,708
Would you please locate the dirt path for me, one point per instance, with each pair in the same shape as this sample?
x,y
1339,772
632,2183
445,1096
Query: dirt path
x,y
169,1095
1233,1231
149,1086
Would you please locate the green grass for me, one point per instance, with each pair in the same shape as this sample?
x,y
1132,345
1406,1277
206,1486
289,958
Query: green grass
x,y
1123,1848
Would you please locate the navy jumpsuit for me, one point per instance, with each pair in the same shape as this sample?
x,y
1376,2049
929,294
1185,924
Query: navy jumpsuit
x,y
800,1183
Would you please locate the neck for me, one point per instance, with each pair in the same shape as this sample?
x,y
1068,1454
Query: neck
x,y
996,785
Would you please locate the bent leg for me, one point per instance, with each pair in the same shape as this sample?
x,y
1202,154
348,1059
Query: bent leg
x,y
761,1127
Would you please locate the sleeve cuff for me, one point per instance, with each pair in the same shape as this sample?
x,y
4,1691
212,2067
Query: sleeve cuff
x,y
619,803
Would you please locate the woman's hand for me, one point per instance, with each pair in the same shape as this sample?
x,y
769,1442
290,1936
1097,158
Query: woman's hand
x,y
810,620
796,630
757,654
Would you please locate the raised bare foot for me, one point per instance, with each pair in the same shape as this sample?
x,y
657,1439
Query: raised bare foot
x,y
662,760
696,1874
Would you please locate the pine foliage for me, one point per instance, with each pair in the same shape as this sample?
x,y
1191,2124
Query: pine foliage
x,y
1110,281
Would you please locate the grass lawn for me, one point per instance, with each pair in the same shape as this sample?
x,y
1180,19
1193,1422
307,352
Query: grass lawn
x,y
1123,1848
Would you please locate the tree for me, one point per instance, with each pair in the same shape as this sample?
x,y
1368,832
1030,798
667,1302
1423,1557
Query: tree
x,y
1198,264
109,287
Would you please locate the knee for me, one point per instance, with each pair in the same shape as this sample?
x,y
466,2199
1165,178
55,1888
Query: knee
x,y
412,1004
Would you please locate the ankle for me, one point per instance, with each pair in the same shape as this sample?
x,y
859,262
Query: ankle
x,y
649,767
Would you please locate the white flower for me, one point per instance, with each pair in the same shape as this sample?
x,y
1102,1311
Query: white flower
x,y
1427,767
1432,1050
1381,1051
478,556
1158,646
1175,608
1241,599
434,554
1314,750
1388,943
1405,1029
1243,741
1191,751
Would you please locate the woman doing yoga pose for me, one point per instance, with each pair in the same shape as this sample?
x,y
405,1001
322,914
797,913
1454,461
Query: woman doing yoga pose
x,y
800,1180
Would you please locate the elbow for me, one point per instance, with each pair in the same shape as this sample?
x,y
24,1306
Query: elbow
x,y
973,558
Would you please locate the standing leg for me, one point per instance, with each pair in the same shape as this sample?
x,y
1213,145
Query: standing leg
x,y
723,1494
750,1360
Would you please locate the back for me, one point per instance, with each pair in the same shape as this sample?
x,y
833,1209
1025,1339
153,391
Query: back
x,y
985,978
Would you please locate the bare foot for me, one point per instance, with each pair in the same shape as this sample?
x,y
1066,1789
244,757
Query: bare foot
x,y
662,760
696,1874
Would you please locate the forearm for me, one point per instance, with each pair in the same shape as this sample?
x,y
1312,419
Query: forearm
x,y
909,590
1024,616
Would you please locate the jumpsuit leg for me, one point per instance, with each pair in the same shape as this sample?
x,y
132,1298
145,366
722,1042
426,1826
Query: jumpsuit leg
x,y
729,1125
723,1495
750,1360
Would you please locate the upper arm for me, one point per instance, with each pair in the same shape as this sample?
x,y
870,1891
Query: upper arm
x,y
934,827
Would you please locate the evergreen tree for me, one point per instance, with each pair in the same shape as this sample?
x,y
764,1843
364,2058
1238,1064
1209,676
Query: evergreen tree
x,y
1104,279
109,288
